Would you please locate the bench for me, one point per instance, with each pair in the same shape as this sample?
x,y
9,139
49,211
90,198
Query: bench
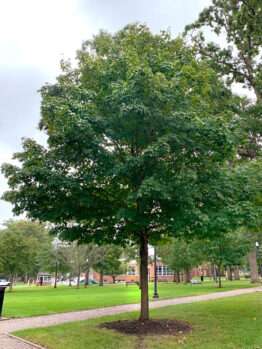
x,y
195,282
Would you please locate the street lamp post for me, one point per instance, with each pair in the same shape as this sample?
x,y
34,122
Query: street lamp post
x,y
155,295
87,273
56,272
56,244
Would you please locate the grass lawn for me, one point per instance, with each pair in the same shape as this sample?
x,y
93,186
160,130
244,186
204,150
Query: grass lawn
x,y
231,323
31,301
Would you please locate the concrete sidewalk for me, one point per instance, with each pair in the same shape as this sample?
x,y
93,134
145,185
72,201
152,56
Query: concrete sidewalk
x,y
8,326
7,342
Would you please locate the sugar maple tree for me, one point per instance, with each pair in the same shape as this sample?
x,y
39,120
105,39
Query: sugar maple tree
x,y
138,136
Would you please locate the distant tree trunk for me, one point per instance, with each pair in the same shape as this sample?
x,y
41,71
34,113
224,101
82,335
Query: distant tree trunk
x,y
219,277
78,277
11,283
143,251
26,278
187,276
236,273
229,274
114,279
101,278
252,259
87,277
214,272
176,277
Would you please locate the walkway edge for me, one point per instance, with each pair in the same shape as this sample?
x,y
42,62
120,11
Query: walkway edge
x,y
33,345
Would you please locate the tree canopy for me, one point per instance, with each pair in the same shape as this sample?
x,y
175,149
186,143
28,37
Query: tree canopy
x,y
21,246
238,60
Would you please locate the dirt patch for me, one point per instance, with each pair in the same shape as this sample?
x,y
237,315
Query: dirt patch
x,y
149,327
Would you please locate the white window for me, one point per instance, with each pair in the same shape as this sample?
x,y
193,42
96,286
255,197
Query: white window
x,y
131,271
163,270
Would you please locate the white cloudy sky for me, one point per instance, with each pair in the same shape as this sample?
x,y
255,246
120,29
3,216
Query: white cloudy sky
x,y
36,34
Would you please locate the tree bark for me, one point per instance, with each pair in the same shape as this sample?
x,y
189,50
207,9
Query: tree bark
x,y
174,277
229,274
219,277
114,279
101,278
214,271
87,277
187,276
11,283
252,259
78,278
143,251
236,273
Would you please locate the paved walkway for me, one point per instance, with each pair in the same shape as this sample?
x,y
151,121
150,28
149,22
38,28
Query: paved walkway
x,y
7,342
8,326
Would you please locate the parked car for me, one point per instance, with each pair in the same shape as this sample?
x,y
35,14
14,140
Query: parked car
x,y
4,282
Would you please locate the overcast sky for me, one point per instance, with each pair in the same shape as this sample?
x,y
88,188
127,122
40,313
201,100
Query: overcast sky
x,y
36,34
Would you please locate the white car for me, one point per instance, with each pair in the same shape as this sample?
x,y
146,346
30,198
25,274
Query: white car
x,y
4,282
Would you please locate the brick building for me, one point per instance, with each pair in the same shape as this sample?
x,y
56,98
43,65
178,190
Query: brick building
x,y
165,274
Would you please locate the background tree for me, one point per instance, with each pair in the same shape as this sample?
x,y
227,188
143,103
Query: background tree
x,y
15,252
225,251
139,136
113,264
240,22
240,63
30,238
92,253
54,258
108,262
181,256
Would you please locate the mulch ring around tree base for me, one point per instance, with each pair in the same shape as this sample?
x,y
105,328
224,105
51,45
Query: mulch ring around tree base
x,y
149,327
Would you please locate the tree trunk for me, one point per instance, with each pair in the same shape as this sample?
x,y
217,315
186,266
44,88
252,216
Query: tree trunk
x,y
87,277
101,278
236,273
229,274
78,278
143,251
174,277
214,273
219,277
252,259
114,279
11,283
187,276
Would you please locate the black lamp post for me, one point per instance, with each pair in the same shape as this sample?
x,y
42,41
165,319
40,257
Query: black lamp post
x,y
257,256
56,245
155,295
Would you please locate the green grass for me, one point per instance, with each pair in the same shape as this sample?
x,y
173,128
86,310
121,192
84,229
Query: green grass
x,y
231,323
32,301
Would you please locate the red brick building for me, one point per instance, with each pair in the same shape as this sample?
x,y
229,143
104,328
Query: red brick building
x,y
165,274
